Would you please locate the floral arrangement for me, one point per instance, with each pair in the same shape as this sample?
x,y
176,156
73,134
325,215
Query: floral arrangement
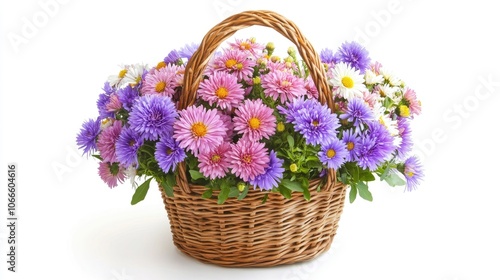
x,y
256,124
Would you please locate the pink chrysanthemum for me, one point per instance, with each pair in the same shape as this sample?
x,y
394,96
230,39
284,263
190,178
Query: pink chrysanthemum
x,y
370,98
311,90
215,164
222,89
249,45
248,159
228,122
106,141
111,173
162,81
254,120
114,103
199,130
282,85
411,97
234,62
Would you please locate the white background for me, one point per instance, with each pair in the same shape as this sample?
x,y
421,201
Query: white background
x,y
71,226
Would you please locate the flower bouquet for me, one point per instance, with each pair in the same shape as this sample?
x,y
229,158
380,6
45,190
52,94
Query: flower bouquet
x,y
253,152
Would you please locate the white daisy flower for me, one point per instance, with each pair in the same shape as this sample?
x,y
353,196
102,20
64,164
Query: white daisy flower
x,y
387,90
347,81
385,119
393,79
133,76
115,80
371,78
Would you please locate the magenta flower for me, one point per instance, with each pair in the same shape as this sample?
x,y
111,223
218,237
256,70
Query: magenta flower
x,y
161,81
111,173
221,89
254,120
234,62
106,142
248,159
215,164
199,130
411,97
283,86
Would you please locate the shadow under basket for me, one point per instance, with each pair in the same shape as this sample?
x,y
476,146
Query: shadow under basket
x,y
248,233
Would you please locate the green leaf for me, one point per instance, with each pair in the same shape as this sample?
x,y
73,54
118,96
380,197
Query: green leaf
x,y
265,198
307,194
140,192
395,178
290,140
207,193
353,193
244,193
223,194
195,175
366,175
97,157
287,193
292,185
168,184
234,192
363,191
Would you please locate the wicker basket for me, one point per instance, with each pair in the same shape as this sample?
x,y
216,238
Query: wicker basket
x,y
247,233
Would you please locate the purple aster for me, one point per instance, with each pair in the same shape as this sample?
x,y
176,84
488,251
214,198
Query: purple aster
x,y
357,112
188,50
375,146
103,101
326,56
168,154
316,122
173,57
292,108
413,171
333,154
153,116
351,141
353,54
272,174
127,96
406,142
87,138
127,146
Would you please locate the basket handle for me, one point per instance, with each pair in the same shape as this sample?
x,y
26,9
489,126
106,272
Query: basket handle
x,y
197,63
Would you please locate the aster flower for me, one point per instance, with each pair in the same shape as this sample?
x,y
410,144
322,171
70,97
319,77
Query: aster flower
x,y
254,120
249,45
215,164
354,55
111,173
371,78
375,146
234,62
116,80
106,141
153,116
327,56
333,154
87,138
406,144
114,103
410,97
387,90
358,113
282,85
168,154
386,119
347,82
173,57
248,159
221,89
316,123
188,50
413,172
134,74
272,174
103,100
127,146
311,90
228,123
292,108
351,142
161,81
127,97
199,130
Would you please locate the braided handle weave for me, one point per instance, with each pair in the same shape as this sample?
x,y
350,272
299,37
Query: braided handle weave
x,y
225,29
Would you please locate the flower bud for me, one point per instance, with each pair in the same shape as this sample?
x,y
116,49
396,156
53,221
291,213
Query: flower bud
x,y
294,167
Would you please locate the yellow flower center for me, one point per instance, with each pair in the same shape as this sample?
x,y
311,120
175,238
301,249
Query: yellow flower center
x,y
161,64
285,83
315,123
256,80
215,158
254,123
169,151
330,153
131,143
404,111
294,167
280,127
230,63
105,121
122,73
239,66
247,158
199,129
410,174
381,121
221,92
347,82
160,86
350,146
245,46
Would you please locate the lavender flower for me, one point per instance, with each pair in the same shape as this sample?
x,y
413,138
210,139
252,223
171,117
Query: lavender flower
x,y
87,138
333,154
127,96
353,54
153,116
127,146
316,123
375,146
272,174
413,171
358,113
327,56
168,154
406,142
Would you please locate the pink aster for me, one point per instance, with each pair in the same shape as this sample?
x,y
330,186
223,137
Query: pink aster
x,y
161,81
111,173
249,45
215,164
370,98
228,122
114,103
411,97
234,62
282,85
106,141
248,159
311,90
254,120
222,89
199,130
